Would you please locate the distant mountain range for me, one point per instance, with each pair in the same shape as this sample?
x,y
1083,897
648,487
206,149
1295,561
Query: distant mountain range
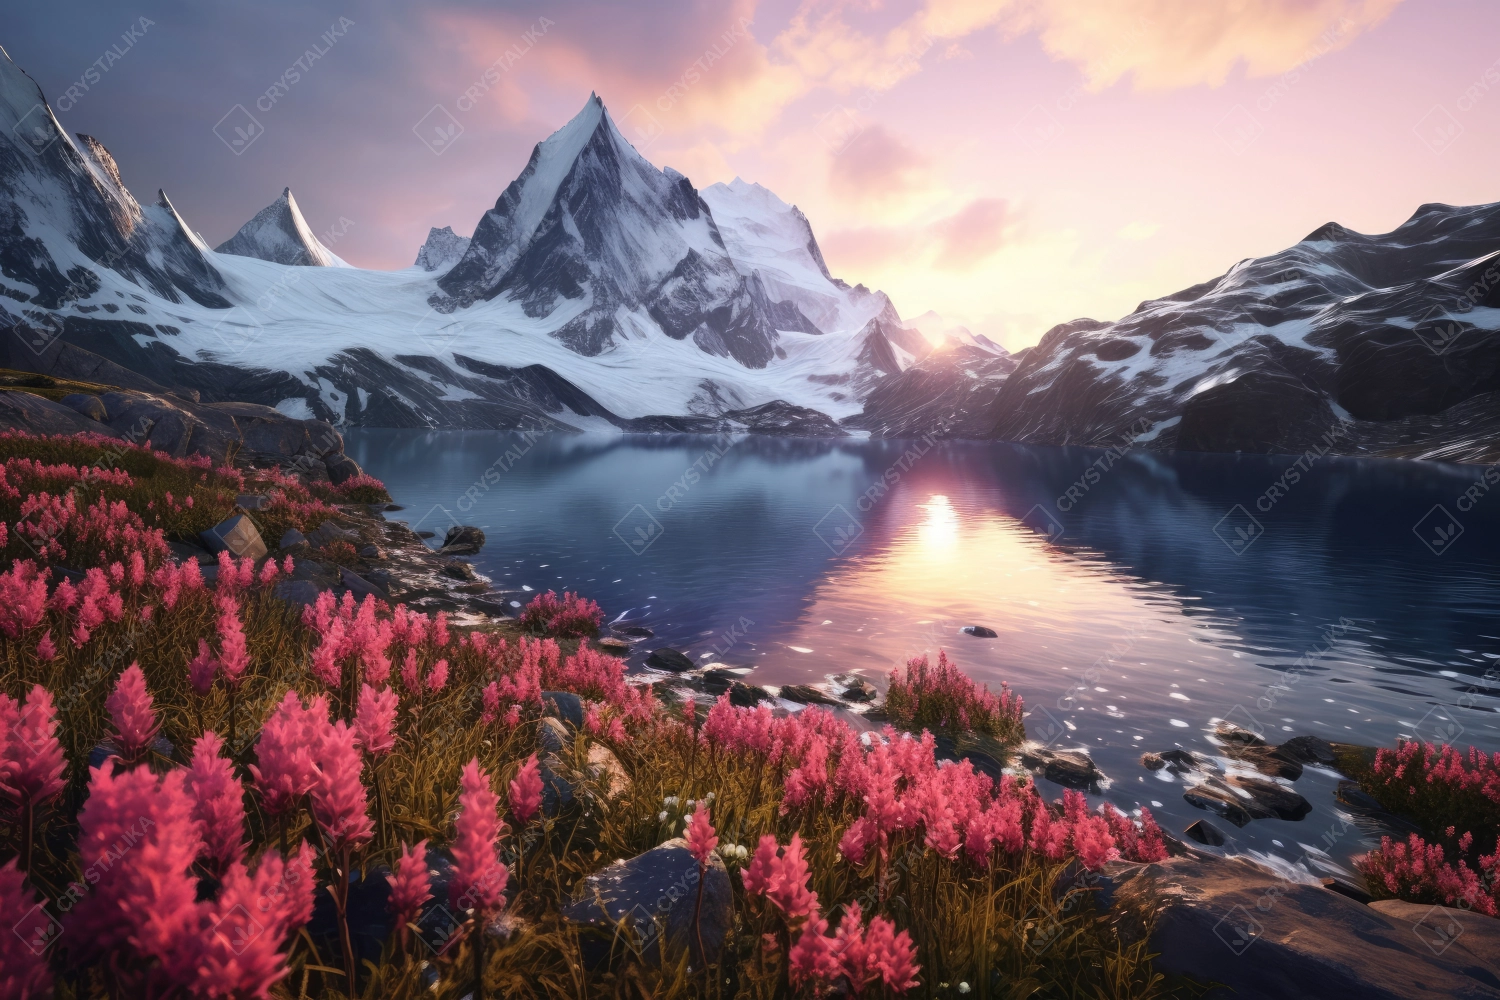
x,y
603,293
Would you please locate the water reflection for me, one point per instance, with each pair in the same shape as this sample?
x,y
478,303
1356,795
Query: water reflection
x,y
1131,627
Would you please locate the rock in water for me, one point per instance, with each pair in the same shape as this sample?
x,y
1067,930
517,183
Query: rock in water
x,y
806,694
1070,768
667,658
1205,832
859,689
462,540
1239,799
1230,921
980,632
657,892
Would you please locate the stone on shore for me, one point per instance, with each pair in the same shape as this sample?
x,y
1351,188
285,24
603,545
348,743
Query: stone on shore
x,y
236,535
667,658
657,894
1231,922
462,540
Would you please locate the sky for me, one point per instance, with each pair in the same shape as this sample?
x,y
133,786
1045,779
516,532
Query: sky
x,y
1009,164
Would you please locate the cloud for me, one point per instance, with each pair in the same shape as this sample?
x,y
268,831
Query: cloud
x,y
971,234
957,242
875,165
1166,44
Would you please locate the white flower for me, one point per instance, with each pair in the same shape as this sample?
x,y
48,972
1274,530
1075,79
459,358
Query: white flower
x,y
963,987
670,800
709,797
661,817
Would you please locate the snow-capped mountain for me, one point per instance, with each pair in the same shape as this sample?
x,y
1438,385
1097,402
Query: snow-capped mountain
x,y
603,292
1384,344
599,291
280,234
443,248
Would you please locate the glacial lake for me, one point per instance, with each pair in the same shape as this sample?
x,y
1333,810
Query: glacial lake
x,y
1137,597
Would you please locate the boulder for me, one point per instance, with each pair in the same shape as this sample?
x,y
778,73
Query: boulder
x,y
1240,799
743,695
985,753
185,551
1205,832
1228,732
170,428
806,694
360,586
564,705
251,501
980,632
859,689
667,658
614,646
560,782
374,552
462,540
327,533
717,680
1230,922
87,404
292,539
298,591
634,631
658,893
237,535
341,468
457,569
1308,750
1069,768
35,414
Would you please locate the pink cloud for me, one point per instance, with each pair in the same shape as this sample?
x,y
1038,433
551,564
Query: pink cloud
x,y
874,165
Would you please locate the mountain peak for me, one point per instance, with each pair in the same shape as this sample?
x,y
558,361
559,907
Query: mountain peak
x,y
279,233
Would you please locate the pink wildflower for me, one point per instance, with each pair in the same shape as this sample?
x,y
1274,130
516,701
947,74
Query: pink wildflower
x,y
31,758
411,886
526,792
218,803
757,874
130,706
813,957
288,740
375,720
701,838
479,877
234,657
141,913
340,799
202,669
23,962
45,649
437,677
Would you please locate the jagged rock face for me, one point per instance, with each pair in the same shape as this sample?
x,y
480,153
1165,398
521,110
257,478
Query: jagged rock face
x,y
591,227
66,217
278,233
443,248
1333,337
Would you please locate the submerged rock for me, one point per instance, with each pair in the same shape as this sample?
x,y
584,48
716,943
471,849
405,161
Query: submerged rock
x,y
980,632
859,689
657,894
667,658
743,695
634,631
614,647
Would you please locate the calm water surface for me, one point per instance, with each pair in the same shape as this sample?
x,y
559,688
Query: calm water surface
x,y
1131,613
